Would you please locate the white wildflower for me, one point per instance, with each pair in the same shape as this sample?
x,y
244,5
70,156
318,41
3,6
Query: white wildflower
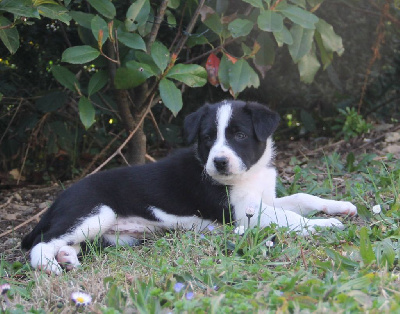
x,y
239,230
81,298
376,209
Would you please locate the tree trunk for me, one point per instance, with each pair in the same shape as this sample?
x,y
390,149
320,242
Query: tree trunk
x,y
131,112
136,147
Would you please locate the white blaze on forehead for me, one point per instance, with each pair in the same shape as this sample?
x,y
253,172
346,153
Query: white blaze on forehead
x,y
224,114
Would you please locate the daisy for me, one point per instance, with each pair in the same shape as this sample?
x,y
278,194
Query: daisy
x,y
250,211
81,298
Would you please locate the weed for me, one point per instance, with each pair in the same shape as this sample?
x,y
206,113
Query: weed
x,y
351,124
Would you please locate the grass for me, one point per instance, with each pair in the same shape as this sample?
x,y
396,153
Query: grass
x,y
218,271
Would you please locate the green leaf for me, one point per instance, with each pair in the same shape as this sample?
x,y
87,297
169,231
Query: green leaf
x,y
132,40
341,262
98,24
366,251
300,16
213,22
240,27
326,57
302,42
19,7
242,75
270,21
79,54
192,75
308,66
55,12
104,7
65,77
86,112
9,36
174,4
160,55
171,96
266,55
97,82
147,60
300,3
83,19
283,37
384,252
331,41
255,3
137,14
223,72
133,75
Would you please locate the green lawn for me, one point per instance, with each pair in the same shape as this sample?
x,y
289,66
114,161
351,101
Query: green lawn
x,y
269,270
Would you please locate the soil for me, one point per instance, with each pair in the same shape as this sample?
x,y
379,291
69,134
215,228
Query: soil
x,y
22,206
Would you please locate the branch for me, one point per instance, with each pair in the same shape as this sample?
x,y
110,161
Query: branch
x,y
157,23
189,29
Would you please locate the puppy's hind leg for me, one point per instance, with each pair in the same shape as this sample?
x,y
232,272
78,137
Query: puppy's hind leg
x,y
52,255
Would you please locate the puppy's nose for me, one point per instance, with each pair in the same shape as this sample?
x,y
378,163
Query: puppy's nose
x,y
221,164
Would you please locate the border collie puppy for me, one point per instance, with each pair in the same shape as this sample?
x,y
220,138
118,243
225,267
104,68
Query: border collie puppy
x,y
227,171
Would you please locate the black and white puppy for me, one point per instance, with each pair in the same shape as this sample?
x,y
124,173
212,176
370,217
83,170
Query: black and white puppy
x,y
227,171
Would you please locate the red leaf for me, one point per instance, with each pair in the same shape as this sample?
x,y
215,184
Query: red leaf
x,y
212,66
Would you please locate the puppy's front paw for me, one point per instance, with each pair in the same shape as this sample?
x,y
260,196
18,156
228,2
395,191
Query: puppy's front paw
x,y
340,208
67,258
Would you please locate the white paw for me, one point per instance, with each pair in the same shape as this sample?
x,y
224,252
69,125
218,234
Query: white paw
x,y
42,258
339,208
49,267
67,258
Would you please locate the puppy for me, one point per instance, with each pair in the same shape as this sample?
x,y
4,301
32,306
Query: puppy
x,y
226,171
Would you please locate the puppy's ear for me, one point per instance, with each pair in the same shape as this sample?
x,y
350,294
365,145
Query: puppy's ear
x,y
265,121
191,125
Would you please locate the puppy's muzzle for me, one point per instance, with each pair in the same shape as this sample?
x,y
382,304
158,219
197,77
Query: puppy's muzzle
x,y
221,164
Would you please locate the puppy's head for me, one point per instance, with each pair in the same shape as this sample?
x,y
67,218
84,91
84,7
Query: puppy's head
x,y
231,136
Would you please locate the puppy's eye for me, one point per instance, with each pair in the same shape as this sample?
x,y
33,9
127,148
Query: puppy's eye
x,y
240,136
206,137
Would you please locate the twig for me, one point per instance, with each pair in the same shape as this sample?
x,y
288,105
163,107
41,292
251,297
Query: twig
x,y
156,25
275,4
103,151
303,257
189,29
7,26
156,126
7,203
148,157
179,31
24,223
226,43
11,121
